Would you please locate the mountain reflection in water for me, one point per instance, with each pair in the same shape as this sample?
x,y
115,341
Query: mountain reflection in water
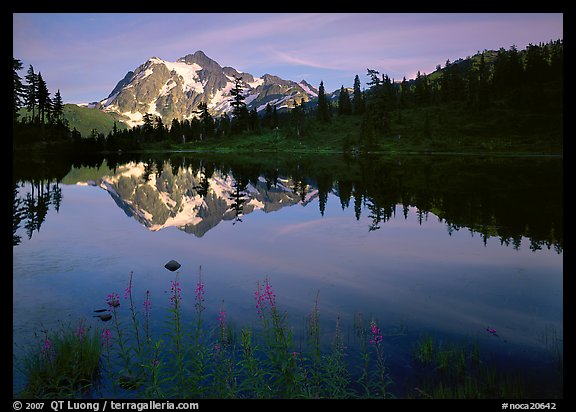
x,y
505,197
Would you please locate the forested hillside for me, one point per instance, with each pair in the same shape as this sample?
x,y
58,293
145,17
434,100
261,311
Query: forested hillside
x,y
504,100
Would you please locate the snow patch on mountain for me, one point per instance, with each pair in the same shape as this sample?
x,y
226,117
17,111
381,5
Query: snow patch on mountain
x,y
177,88
189,74
307,88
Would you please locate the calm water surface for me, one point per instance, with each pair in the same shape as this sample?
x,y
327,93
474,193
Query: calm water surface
x,y
437,245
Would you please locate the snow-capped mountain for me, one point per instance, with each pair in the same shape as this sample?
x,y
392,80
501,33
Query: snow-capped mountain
x,y
191,201
175,89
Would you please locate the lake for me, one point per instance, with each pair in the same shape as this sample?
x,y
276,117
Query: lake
x,y
463,248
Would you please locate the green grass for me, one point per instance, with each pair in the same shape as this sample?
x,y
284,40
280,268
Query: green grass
x,y
65,364
85,119
456,371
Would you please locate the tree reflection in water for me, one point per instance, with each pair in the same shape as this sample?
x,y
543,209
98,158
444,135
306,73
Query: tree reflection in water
x,y
504,197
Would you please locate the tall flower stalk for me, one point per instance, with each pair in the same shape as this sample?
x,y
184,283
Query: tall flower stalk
x,y
278,338
147,308
175,301
222,355
128,294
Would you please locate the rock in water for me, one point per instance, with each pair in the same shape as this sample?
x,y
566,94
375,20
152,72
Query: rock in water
x,y
104,317
172,265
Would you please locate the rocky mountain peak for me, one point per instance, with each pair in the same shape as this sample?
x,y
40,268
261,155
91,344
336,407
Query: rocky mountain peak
x,y
173,90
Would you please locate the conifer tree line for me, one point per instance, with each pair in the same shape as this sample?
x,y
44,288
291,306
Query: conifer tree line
x,y
35,96
521,80
527,80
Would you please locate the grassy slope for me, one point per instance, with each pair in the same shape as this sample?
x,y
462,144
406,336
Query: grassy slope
x,y
85,119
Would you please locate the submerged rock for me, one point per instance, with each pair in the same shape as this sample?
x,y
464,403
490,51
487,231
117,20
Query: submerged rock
x,y
172,265
104,317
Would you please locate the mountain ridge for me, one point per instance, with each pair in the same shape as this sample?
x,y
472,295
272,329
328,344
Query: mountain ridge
x,y
174,90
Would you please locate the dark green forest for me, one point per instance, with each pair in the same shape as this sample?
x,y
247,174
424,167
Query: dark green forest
x,y
503,100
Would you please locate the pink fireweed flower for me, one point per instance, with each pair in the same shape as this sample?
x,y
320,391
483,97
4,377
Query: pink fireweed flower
x,y
221,318
264,297
128,290
259,299
199,293
147,303
269,293
376,334
176,291
113,300
47,347
81,331
106,338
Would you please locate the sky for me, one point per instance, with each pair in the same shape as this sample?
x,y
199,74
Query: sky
x,y
84,55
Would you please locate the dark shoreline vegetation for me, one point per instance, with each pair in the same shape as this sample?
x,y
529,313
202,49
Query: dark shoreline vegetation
x,y
211,359
507,101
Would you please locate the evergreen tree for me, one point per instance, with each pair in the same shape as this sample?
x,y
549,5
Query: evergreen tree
x,y
31,92
58,108
515,69
159,129
297,118
148,125
344,103
404,94
44,101
535,64
239,110
254,121
357,97
18,91
378,106
267,118
323,112
206,121
499,76
176,131
421,90
274,118
482,77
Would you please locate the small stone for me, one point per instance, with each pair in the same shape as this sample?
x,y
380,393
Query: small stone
x,y
172,265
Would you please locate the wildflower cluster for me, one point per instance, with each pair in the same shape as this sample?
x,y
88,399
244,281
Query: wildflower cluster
x,y
199,292
376,337
176,292
128,290
147,304
265,297
47,348
113,300
106,338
